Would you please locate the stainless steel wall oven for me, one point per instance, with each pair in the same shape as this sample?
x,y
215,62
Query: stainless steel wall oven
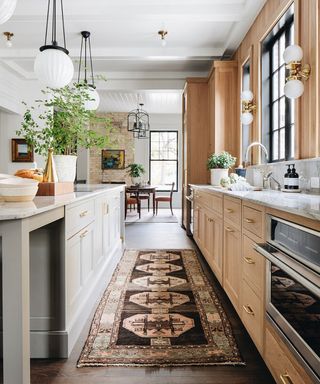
x,y
293,293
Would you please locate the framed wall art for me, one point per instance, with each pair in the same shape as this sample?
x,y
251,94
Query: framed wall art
x,y
113,159
21,151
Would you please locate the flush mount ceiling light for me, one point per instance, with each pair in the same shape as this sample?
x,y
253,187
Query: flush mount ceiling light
x,y
294,87
8,36
93,103
138,122
53,66
247,107
7,8
163,33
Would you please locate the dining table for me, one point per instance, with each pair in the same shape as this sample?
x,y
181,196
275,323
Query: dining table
x,y
136,190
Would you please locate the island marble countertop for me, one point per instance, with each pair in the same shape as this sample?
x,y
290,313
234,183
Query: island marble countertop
x,y
297,203
40,204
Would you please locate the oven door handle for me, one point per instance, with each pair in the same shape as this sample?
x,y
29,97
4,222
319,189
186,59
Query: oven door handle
x,y
264,253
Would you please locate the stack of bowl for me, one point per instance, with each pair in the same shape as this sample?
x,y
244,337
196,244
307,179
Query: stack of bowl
x,y
17,189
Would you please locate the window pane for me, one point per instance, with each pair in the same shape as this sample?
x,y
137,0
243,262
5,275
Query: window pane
x,y
275,151
282,48
282,144
282,80
275,85
163,174
275,115
291,154
282,112
155,136
275,56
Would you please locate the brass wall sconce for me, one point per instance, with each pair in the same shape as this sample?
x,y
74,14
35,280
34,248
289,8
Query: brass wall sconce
x,y
294,86
8,36
163,33
248,107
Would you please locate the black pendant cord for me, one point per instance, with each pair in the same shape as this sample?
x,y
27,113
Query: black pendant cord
x,y
47,23
63,27
85,50
80,60
92,75
54,24
85,60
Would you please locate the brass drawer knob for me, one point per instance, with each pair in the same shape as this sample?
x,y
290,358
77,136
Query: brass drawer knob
x,y
250,221
84,234
248,260
229,210
84,213
210,220
285,379
248,310
228,229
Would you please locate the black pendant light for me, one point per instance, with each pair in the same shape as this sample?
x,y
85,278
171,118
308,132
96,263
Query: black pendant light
x,y
53,66
138,122
86,60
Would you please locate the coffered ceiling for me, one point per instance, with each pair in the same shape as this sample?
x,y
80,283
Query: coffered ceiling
x,y
125,45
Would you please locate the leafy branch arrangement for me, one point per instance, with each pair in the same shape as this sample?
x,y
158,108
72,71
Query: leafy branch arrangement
x,y
61,122
223,160
135,170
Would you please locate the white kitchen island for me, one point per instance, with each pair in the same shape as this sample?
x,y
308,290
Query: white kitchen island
x,y
58,254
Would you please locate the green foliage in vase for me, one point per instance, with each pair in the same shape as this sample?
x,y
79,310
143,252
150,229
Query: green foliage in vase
x,y
135,170
60,121
222,160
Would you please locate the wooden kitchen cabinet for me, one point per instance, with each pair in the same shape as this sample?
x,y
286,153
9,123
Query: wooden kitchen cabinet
x,y
232,263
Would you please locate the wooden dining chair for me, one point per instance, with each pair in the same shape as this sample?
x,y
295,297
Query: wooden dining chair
x,y
167,199
133,200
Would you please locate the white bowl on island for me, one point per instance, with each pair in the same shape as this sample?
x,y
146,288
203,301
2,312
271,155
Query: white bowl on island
x,y
18,189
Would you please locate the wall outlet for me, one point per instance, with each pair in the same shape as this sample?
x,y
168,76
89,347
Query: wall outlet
x,y
315,182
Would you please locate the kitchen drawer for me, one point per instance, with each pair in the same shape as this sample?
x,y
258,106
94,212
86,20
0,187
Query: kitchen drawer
x,y
253,220
210,200
79,216
253,266
252,314
283,366
232,210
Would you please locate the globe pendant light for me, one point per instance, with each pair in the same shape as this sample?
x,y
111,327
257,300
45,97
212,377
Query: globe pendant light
x,y
94,99
53,66
7,8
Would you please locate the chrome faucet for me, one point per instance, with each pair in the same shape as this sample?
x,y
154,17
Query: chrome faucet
x,y
254,144
268,178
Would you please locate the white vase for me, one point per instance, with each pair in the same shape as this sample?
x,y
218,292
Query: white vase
x,y
66,166
217,174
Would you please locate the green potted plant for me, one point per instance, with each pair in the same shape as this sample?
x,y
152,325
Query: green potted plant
x,y
61,122
219,165
135,171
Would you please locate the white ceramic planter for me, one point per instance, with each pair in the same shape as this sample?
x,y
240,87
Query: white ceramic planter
x,y
66,166
217,174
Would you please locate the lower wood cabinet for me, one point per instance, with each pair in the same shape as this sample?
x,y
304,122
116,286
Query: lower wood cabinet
x,y
283,366
232,263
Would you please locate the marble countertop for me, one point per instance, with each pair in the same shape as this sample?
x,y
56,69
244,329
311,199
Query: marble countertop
x,y
40,204
297,203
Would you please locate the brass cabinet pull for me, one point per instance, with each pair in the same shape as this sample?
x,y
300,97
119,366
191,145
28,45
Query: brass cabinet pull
x,y
83,214
229,210
286,379
248,260
248,309
84,234
229,229
210,220
250,221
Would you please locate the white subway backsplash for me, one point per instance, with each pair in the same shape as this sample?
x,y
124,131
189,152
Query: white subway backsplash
x,y
307,169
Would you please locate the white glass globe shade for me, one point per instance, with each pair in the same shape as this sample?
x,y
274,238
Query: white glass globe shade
x,y
294,89
247,95
292,53
53,68
93,103
246,118
7,8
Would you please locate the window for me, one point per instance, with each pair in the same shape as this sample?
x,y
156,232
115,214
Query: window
x,y
246,133
164,159
278,111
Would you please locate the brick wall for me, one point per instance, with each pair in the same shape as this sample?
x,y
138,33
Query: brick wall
x,y
120,138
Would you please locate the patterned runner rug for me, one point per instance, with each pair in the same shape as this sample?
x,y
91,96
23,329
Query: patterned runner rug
x,y
159,310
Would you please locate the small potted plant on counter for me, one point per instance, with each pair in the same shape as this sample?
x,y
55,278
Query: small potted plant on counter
x,y
60,122
135,171
219,165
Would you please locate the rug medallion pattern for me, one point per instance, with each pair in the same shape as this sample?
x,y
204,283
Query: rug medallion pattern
x,y
159,310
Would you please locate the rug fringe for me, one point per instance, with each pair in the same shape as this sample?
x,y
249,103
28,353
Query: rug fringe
x,y
83,365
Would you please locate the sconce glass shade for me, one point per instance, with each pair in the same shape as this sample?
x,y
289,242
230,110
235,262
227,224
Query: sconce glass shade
x,y
246,95
292,53
293,89
53,68
7,8
246,118
93,103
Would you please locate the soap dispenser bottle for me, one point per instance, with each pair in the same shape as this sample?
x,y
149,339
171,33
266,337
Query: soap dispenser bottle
x,y
286,179
294,178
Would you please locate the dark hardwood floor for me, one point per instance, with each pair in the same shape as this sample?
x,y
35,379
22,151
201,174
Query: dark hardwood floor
x,y
65,371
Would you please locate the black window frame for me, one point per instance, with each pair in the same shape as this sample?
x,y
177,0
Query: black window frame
x,y
289,123
176,186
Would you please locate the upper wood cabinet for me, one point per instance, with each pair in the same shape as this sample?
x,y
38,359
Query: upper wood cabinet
x,y
224,108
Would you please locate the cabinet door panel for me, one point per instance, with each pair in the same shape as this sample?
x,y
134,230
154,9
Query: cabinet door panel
x,y
232,263
87,244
